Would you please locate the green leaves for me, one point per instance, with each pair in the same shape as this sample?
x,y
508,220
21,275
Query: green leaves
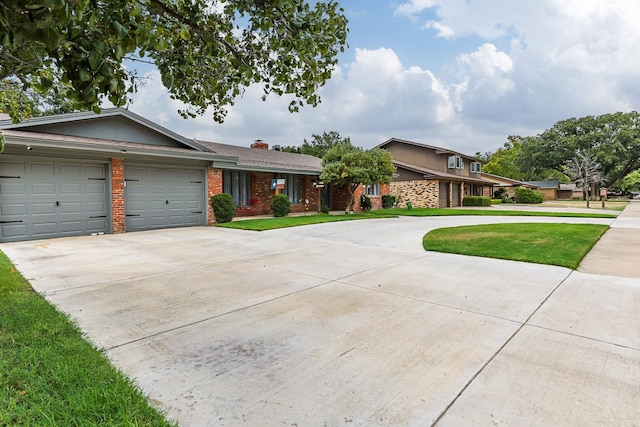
x,y
347,165
206,57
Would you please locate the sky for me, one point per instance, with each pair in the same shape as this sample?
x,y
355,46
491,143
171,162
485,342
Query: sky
x,y
458,74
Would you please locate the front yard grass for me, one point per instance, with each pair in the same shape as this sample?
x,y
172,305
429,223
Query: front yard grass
x,y
554,244
262,224
269,223
486,212
50,375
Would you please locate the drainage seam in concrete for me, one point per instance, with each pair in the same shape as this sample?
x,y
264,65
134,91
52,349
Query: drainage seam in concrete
x,y
186,325
585,337
451,307
497,352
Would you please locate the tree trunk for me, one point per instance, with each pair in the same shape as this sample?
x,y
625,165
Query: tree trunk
x,y
352,197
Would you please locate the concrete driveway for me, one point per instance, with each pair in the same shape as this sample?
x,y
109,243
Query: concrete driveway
x,y
348,323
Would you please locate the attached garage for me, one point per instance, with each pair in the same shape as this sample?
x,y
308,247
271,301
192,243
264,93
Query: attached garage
x,y
161,197
43,198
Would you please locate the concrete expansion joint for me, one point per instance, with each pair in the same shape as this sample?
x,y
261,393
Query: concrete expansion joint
x,y
217,316
499,350
584,337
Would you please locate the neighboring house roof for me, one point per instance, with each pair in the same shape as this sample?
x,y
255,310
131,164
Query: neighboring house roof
x,y
35,122
438,150
569,187
504,180
434,174
260,159
553,183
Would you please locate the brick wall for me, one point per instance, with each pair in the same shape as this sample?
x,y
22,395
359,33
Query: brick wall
x,y
214,186
117,196
261,195
421,194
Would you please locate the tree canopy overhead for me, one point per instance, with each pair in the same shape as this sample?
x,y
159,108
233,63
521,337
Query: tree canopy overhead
x,y
207,51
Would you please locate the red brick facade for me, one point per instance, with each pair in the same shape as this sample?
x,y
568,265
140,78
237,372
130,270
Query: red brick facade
x,y
261,195
340,196
214,186
117,196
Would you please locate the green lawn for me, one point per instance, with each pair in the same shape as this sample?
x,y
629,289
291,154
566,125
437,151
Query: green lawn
x,y
51,376
555,244
485,212
263,224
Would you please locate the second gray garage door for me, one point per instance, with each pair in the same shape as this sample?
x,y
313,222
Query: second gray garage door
x,y
163,197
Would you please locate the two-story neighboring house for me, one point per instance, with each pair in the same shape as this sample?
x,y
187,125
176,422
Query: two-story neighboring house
x,y
431,177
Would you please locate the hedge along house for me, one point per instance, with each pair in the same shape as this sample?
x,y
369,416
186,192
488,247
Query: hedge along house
x,y
84,173
432,177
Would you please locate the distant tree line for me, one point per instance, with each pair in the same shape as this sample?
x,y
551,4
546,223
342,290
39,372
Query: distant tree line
x,y
610,143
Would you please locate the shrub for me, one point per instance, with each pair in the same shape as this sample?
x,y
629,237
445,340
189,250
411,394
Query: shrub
x,y
500,193
280,205
496,201
526,195
324,209
476,201
224,209
388,201
365,202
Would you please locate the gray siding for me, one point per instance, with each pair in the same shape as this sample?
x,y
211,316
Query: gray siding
x,y
113,128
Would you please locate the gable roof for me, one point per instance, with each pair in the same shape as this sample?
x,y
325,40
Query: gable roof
x,y
435,174
504,180
34,123
438,150
259,159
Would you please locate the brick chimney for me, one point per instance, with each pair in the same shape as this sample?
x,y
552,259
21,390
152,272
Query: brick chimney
x,y
258,143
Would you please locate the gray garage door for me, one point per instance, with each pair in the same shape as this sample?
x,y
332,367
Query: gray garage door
x,y
43,199
163,197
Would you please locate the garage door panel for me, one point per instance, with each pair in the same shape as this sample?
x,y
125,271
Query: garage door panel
x,y
13,209
40,170
9,188
13,231
42,188
48,208
163,197
52,199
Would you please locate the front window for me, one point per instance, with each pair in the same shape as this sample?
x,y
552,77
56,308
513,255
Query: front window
x,y
372,189
238,185
293,188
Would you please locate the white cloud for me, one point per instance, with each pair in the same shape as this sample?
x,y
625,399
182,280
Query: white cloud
x,y
521,67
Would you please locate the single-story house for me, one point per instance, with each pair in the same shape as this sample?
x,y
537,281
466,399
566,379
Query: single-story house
x,y
431,177
507,183
84,173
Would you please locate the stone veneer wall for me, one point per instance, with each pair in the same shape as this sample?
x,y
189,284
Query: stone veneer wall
x,y
421,194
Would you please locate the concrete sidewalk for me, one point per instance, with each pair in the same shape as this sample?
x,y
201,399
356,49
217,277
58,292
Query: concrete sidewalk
x,y
349,323
617,253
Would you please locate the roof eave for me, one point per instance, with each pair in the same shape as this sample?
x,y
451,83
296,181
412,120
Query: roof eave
x,y
97,147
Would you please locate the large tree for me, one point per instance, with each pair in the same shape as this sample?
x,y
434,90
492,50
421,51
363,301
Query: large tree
x,y
352,166
207,51
612,140
318,146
